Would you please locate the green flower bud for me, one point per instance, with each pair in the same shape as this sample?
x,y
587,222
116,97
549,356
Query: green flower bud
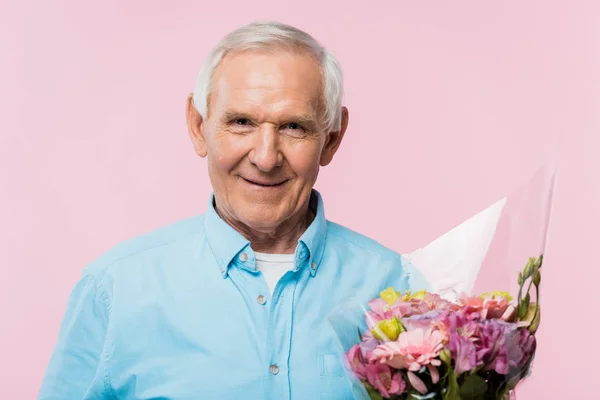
x,y
537,277
446,356
528,268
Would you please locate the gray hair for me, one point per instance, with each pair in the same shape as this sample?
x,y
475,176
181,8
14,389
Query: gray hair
x,y
266,35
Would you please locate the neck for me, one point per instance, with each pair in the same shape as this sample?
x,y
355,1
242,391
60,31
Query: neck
x,y
281,240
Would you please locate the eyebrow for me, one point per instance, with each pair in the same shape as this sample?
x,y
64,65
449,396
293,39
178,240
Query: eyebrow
x,y
304,120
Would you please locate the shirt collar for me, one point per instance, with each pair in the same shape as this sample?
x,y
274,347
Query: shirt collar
x,y
226,243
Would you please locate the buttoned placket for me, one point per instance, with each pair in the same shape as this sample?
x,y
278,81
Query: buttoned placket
x,y
279,333
272,315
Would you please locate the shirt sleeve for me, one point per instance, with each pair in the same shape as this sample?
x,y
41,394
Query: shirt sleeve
x,y
76,370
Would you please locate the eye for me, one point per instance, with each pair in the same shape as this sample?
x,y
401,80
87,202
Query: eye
x,y
293,126
241,121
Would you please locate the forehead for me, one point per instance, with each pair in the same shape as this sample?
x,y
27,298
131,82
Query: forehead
x,y
267,83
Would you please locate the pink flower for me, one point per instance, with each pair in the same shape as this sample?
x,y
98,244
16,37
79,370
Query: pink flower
x,y
380,376
413,350
435,319
462,323
435,374
471,306
416,382
435,302
464,300
379,311
357,362
498,307
368,344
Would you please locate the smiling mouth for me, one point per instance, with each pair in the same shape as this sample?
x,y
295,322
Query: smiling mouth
x,y
265,184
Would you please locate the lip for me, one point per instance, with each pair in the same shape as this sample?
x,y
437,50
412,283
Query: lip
x,y
265,184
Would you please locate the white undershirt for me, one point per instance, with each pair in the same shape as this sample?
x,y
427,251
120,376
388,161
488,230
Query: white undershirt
x,y
274,266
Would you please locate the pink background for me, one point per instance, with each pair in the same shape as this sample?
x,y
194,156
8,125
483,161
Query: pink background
x,y
452,105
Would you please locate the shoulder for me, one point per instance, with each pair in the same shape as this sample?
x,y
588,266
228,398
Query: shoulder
x,y
364,247
349,238
130,249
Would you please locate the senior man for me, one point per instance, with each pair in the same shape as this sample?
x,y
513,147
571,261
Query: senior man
x,y
234,303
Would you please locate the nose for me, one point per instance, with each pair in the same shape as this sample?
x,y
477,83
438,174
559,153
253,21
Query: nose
x,y
266,153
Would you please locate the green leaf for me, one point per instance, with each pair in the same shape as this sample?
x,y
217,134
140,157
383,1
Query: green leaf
x,y
373,393
360,336
473,388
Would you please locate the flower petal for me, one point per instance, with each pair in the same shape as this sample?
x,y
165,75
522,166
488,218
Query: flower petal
x,y
416,382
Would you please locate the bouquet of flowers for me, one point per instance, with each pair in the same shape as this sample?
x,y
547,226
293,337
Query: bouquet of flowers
x,y
445,342
421,346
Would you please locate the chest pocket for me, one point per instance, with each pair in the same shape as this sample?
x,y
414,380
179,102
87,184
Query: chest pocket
x,y
334,383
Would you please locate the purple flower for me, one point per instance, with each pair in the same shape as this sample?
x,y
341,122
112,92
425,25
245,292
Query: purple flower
x,y
520,346
368,344
424,321
491,347
463,352
462,323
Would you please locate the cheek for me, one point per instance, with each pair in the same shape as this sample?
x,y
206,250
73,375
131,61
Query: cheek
x,y
305,165
224,154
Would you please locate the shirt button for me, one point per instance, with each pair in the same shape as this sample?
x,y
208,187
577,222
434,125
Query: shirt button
x,y
274,369
261,299
243,257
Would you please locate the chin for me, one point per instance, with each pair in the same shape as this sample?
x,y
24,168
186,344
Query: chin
x,y
264,225
261,218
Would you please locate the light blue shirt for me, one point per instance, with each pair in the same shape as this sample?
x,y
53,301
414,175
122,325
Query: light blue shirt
x,y
182,313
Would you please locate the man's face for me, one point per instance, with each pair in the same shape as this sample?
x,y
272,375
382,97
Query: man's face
x,y
264,138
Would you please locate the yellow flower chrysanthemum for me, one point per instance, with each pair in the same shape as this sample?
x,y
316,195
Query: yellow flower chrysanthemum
x,y
391,328
408,296
506,295
389,295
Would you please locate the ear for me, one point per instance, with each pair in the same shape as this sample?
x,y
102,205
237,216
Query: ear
x,y
334,139
195,125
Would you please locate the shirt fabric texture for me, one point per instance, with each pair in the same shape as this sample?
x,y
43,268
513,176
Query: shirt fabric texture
x,y
182,313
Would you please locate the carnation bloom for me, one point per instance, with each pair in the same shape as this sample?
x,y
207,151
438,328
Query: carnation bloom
x,y
498,307
471,306
520,346
413,350
492,344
